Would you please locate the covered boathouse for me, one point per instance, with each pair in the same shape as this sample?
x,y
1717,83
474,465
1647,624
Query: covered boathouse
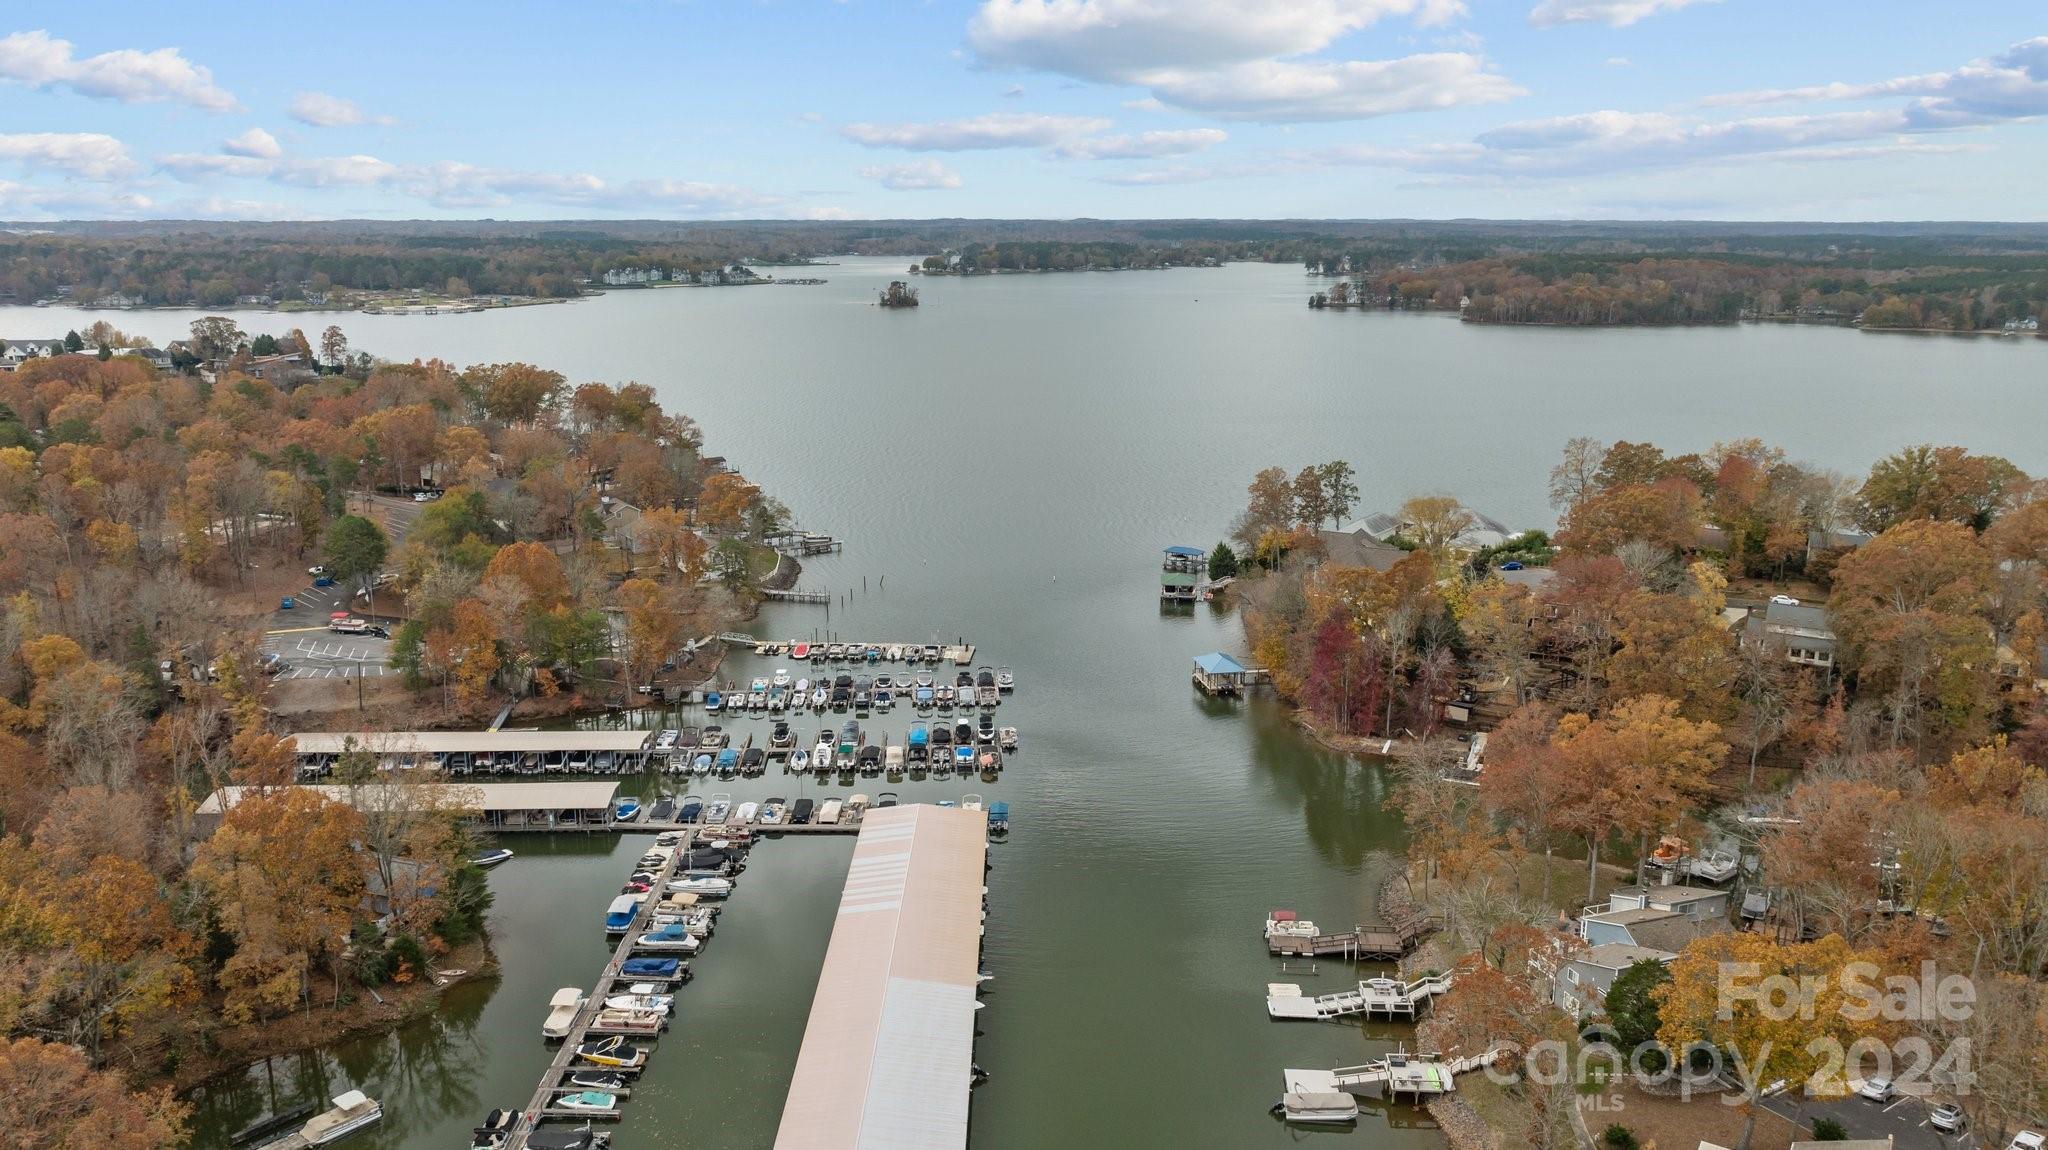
x,y
888,1054
537,806
1218,674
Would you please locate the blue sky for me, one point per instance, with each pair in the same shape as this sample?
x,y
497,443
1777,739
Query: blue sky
x,y
1721,109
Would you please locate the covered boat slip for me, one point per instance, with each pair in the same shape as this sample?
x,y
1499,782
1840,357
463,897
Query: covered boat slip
x,y
317,750
497,806
888,1054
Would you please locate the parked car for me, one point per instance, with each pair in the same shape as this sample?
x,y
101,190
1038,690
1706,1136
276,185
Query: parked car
x,y
1785,600
1947,1118
316,570
2025,1140
1876,1089
287,603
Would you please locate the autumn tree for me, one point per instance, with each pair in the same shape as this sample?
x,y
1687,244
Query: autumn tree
x,y
355,549
1497,618
1311,504
1945,483
57,1101
513,392
1717,994
1434,522
1574,477
723,504
1908,609
1633,770
1269,512
1340,490
653,625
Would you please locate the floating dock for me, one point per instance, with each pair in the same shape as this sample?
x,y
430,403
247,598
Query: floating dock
x,y
553,1080
1374,998
1399,1075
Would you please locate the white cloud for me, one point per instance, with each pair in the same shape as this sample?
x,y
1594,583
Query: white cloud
x,y
2012,85
1014,92
456,185
994,130
916,176
28,201
1143,146
89,155
1236,60
1620,62
129,75
1614,13
1145,104
255,142
321,110
1281,91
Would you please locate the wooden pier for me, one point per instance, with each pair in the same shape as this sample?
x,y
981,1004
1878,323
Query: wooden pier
x,y
1399,1075
796,595
541,1107
1359,944
1374,998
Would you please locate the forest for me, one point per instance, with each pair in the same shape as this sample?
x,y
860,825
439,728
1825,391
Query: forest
x,y
144,942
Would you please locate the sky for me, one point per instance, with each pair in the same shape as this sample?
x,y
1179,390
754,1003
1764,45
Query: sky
x,y
750,109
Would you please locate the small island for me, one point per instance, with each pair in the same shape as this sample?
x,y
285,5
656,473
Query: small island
x,y
899,294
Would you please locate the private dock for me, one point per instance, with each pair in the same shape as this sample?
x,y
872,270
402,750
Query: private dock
x,y
802,543
1398,1075
1374,998
1359,944
795,595
553,1081
960,654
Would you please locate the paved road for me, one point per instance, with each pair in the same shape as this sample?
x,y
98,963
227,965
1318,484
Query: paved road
x,y
1903,1119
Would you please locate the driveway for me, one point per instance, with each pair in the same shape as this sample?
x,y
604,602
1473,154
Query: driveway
x,y
1903,1119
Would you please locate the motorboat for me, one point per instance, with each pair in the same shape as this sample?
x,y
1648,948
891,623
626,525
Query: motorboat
x,y
717,810
353,1110
701,765
272,1123
1286,924
598,1080
999,818
594,1101
713,737
629,1021
667,938
753,761
820,698
781,737
1005,681
665,968
836,652
666,740
963,756
771,811
644,1003
800,813
802,689
728,762
990,763
746,812
799,760
923,698
491,858
562,1010
800,651
855,805
829,811
1714,866
886,799
703,886
925,679
970,803
1318,1108
584,1137
691,810
620,914
868,760
713,701
495,1131
892,759
781,677
931,652
625,809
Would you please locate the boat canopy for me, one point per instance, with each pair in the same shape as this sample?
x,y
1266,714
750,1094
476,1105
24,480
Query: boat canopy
x,y
1181,552
1218,663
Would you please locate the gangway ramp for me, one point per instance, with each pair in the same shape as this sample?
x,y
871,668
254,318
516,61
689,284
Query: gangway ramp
x,y
1382,997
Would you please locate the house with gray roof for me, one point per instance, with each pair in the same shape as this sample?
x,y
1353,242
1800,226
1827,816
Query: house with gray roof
x,y
1805,633
1579,982
1359,549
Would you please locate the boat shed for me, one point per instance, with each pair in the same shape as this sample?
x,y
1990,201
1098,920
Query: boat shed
x,y
495,806
1218,674
505,752
888,1054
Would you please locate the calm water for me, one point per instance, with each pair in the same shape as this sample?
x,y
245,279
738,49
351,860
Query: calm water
x,y
1011,456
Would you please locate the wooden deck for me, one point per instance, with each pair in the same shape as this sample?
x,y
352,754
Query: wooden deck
x,y
1359,944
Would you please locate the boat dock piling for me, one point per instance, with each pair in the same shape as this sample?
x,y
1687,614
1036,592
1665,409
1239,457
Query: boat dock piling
x,y
541,1106
1375,997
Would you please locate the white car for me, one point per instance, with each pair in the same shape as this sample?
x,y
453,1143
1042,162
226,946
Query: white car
x,y
2025,1140
316,572
422,497
1947,1118
1785,600
1876,1089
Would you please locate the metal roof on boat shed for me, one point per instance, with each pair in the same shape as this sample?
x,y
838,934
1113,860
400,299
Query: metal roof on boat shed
x,y
483,798
470,742
888,1054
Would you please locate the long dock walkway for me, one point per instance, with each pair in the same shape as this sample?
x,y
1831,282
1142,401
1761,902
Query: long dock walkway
x,y
1375,997
1398,1075
541,1106
1359,944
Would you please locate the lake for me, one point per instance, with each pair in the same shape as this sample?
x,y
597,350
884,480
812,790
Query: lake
x,y
1005,463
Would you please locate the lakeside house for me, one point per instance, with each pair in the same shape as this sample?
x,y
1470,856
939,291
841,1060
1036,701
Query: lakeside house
x,y
280,369
1662,918
1484,531
1578,981
1805,633
1358,548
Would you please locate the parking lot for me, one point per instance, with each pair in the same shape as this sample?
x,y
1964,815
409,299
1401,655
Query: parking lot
x,y
1903,1119
300,637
